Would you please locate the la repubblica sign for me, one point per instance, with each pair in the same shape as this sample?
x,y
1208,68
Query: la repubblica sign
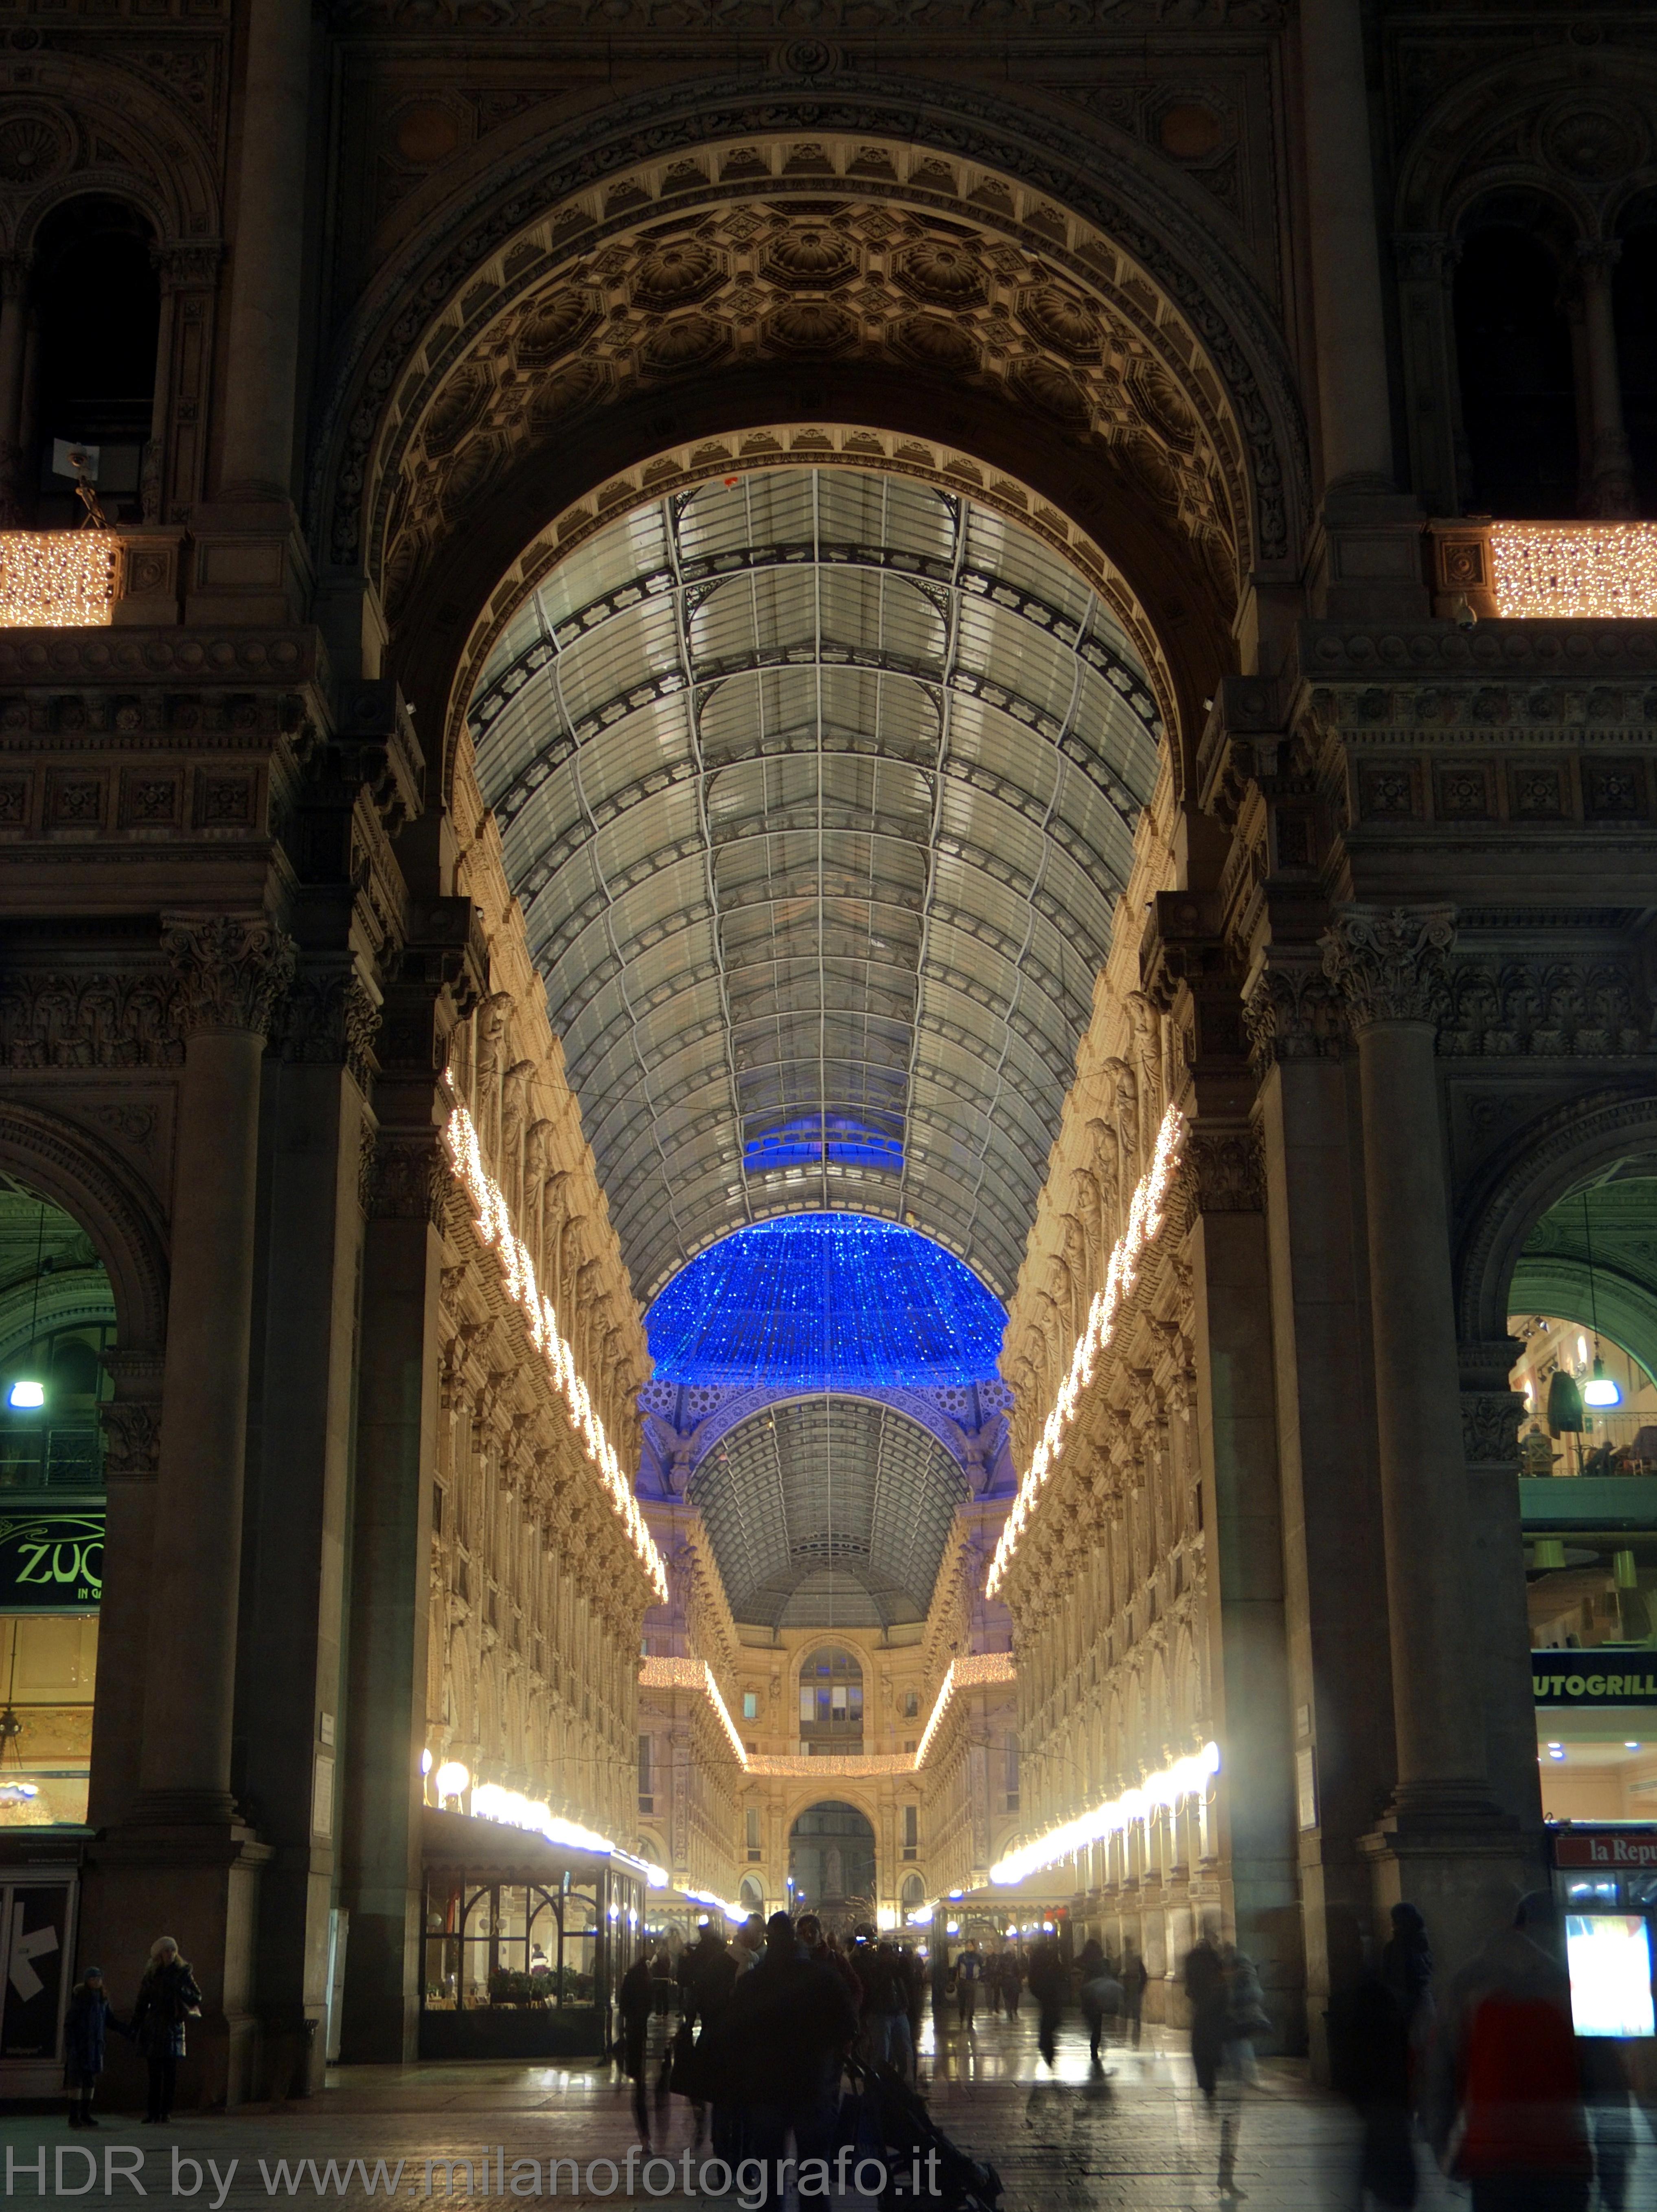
x,y
51,1561
1606,1677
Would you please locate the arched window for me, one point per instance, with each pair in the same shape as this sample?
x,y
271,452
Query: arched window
x,y
750,1894
1523,454
96,303
1634,293
913,1892
831,1701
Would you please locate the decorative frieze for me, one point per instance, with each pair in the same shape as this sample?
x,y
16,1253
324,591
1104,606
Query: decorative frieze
x,y
109,1019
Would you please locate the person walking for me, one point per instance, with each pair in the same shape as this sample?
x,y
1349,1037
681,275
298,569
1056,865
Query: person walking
x,y
1134,1976
969,1969
886,2012
1012,1981
1204,1976
1505,2109
1244,2017
815,1945
1101,1995
1370,2062
166,1997
1050,1985
784,2039
86,2022
707,1975
636,2001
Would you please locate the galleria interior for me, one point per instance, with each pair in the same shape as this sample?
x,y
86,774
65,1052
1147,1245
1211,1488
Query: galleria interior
x,y
827,994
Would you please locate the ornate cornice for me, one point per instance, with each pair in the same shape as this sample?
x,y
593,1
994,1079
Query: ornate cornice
x,y
212,658
1390,964
233,971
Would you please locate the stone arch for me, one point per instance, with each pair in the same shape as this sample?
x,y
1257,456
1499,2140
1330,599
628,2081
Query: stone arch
x,y
77,106
1523,124
1547,1160
1199,413
76,1171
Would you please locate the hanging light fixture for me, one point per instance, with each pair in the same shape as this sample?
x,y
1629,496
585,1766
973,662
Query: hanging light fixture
x,y
1600,1389
28,1393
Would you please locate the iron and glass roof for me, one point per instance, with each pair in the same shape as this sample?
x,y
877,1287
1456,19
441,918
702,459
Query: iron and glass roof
x,y
828,1512
818,788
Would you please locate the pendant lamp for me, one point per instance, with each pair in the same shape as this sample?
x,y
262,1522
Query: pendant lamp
x,y
1601,1390
28,1393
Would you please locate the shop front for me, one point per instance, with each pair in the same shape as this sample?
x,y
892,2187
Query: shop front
x,y
525,1941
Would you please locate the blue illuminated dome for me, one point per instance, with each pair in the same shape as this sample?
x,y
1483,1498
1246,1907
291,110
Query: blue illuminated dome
x,y
825,1301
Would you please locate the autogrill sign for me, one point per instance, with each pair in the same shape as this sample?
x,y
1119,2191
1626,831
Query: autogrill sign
x,y
1571,1678
52,1562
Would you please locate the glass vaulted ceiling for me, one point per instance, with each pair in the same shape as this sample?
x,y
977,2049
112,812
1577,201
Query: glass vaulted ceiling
x,y
818,788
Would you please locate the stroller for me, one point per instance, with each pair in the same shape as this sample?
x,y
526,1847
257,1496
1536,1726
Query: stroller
x,y
888,2122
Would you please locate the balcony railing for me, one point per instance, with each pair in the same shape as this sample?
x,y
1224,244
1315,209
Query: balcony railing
x,y
1544,571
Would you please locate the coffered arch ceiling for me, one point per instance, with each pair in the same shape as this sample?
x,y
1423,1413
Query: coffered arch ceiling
x,y
828,1511
820,251
818,788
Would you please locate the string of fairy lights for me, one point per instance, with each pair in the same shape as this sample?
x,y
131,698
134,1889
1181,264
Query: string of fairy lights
x,y
1560,570
1145,1216
493,1223
56,578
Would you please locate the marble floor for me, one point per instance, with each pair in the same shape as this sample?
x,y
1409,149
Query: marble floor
x,y
1074,2140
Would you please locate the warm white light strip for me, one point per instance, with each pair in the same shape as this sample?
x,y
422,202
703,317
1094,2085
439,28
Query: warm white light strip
x,y
979,1666
1562,570
494,1226
1186,1778
1144,1221
510,1809
56,578
733,1913
693,1675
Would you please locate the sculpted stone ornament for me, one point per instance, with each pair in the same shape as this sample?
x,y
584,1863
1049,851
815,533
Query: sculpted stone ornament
x,y
233,971
1489,1428
132,1434
331,1015
1293,1012
1391,964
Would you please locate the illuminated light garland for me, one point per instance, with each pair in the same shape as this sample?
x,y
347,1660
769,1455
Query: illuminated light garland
x,y
510,1809
494,1226
978,1667
733,1913
1186,1778
56,578
1565,570
1144,1224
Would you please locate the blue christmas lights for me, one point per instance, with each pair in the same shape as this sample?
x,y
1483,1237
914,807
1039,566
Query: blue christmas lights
x,y
825,1302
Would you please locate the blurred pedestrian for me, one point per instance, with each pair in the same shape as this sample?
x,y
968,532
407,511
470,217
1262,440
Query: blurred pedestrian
x,y
1100,1993
1204,1975
1012,1981
1050,1985
634,2001
707,1975
969,1970
1370,2063
1134,1977
886,2013
167,1997
1245,2018
1505,2108
785,2037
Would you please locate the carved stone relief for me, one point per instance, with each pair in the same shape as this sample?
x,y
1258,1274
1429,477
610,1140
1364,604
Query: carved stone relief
x,y
862,275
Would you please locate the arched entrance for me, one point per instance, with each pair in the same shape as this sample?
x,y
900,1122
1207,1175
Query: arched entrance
x,y
831,1864
57,1322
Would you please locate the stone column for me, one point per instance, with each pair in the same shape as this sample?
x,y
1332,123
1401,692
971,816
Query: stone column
x,y
132,1452
14,337
231,972
290,1703
261,366
1354,409
1247,1667
1335,1583
1442,1833
1610,489
1432,393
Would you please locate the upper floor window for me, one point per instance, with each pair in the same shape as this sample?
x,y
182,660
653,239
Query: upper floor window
x,y
96,320
830,1700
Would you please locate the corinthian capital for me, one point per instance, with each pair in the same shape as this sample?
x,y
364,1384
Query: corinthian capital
x,y
1291,1010
1389,963
231,971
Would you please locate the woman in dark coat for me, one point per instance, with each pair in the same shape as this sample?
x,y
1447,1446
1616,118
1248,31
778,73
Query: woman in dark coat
x,y
167,1996
85,2024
